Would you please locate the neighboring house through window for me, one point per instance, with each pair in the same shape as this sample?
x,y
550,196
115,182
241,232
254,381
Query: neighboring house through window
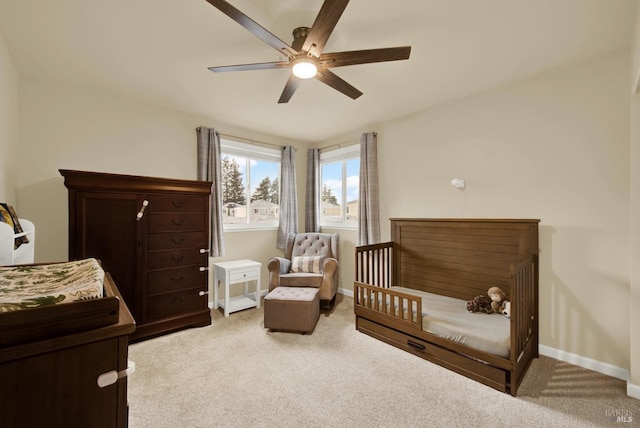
x,y
340,179
250,185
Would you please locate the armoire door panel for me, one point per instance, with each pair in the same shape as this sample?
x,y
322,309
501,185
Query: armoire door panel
x,y
108,230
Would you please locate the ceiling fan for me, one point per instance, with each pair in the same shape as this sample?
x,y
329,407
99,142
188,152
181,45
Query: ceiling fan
x,y
304,55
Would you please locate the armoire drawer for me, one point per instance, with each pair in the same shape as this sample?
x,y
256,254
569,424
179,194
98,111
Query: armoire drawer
x,y
167,280
176,221
177,203
175,258
178,303
172,240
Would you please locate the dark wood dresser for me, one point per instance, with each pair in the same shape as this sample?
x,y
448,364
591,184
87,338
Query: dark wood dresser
x,y
53,381
151,234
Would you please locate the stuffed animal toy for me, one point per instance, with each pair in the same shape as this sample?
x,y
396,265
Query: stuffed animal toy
x,y
497,297
506,309
480,303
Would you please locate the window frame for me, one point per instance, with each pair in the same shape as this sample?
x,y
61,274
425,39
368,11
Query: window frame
x,y
251,151
342,155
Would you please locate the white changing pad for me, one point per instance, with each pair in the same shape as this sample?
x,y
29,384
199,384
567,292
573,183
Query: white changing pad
x,y
448,318
31,286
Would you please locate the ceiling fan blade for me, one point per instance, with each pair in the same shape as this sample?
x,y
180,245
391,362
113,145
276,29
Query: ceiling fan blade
x,y
341,59
255,28
289,89
329,78
245,67
325,22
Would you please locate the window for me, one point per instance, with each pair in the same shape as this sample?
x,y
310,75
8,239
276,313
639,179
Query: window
x,y
340,183
250,185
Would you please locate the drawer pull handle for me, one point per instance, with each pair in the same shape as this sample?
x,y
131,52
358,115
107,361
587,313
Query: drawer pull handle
x,y
415,345
202,268
177,259
202,293
176,280
203,250
177,204
177,240
145,203
177,222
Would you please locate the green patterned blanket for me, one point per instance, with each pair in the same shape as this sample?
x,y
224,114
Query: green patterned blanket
x,y
31,286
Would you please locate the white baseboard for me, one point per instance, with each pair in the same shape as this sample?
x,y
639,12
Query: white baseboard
x,y
633,390
346,292
587,363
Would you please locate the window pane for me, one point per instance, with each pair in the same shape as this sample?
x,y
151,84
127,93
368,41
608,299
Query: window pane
x,y
265,191
234,171
331,197
353,190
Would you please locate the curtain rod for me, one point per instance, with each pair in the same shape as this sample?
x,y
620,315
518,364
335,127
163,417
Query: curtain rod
x,y
253,142
343,144
338,146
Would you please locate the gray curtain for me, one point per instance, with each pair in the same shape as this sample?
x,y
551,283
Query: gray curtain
x,y
210,169
312,204
288,197
368,211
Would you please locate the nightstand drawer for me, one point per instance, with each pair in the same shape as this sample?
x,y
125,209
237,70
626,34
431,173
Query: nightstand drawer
x,y
250,274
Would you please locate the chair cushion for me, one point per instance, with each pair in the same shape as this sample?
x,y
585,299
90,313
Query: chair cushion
x,y
313,280
307,264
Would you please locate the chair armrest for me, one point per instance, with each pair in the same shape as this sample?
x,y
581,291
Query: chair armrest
x,y
276,267
329,268
279,265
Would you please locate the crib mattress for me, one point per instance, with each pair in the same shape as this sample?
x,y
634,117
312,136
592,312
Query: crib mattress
x,y
448,318
32,286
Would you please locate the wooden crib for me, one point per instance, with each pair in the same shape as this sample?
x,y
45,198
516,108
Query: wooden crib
x,y
458,258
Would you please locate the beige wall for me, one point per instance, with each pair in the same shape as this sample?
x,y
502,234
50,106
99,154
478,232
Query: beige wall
x,y
70,128
553,147
8,126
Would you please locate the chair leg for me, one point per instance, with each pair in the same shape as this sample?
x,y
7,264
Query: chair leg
x,y
328,304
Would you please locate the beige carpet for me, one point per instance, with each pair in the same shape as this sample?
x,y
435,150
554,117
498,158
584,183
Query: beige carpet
x,y
235,373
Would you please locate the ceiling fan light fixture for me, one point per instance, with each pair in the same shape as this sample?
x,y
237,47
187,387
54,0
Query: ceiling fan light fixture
x,y
304,68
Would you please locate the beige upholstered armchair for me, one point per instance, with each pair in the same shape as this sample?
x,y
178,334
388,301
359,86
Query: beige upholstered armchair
x,y
310,260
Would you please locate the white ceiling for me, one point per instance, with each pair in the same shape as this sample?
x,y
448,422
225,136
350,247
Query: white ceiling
x,y
159,51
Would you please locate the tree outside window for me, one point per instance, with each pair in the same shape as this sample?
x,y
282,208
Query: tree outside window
x,y
250,186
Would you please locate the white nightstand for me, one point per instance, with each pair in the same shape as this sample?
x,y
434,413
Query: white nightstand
x,y
235,272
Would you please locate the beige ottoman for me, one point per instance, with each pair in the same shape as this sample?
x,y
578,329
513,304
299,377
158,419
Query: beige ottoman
x,y
292,309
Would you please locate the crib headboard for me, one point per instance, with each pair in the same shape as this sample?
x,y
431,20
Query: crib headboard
x,y
460,258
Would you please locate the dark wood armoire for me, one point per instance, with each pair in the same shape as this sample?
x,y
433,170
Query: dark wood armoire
x,y
152,235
